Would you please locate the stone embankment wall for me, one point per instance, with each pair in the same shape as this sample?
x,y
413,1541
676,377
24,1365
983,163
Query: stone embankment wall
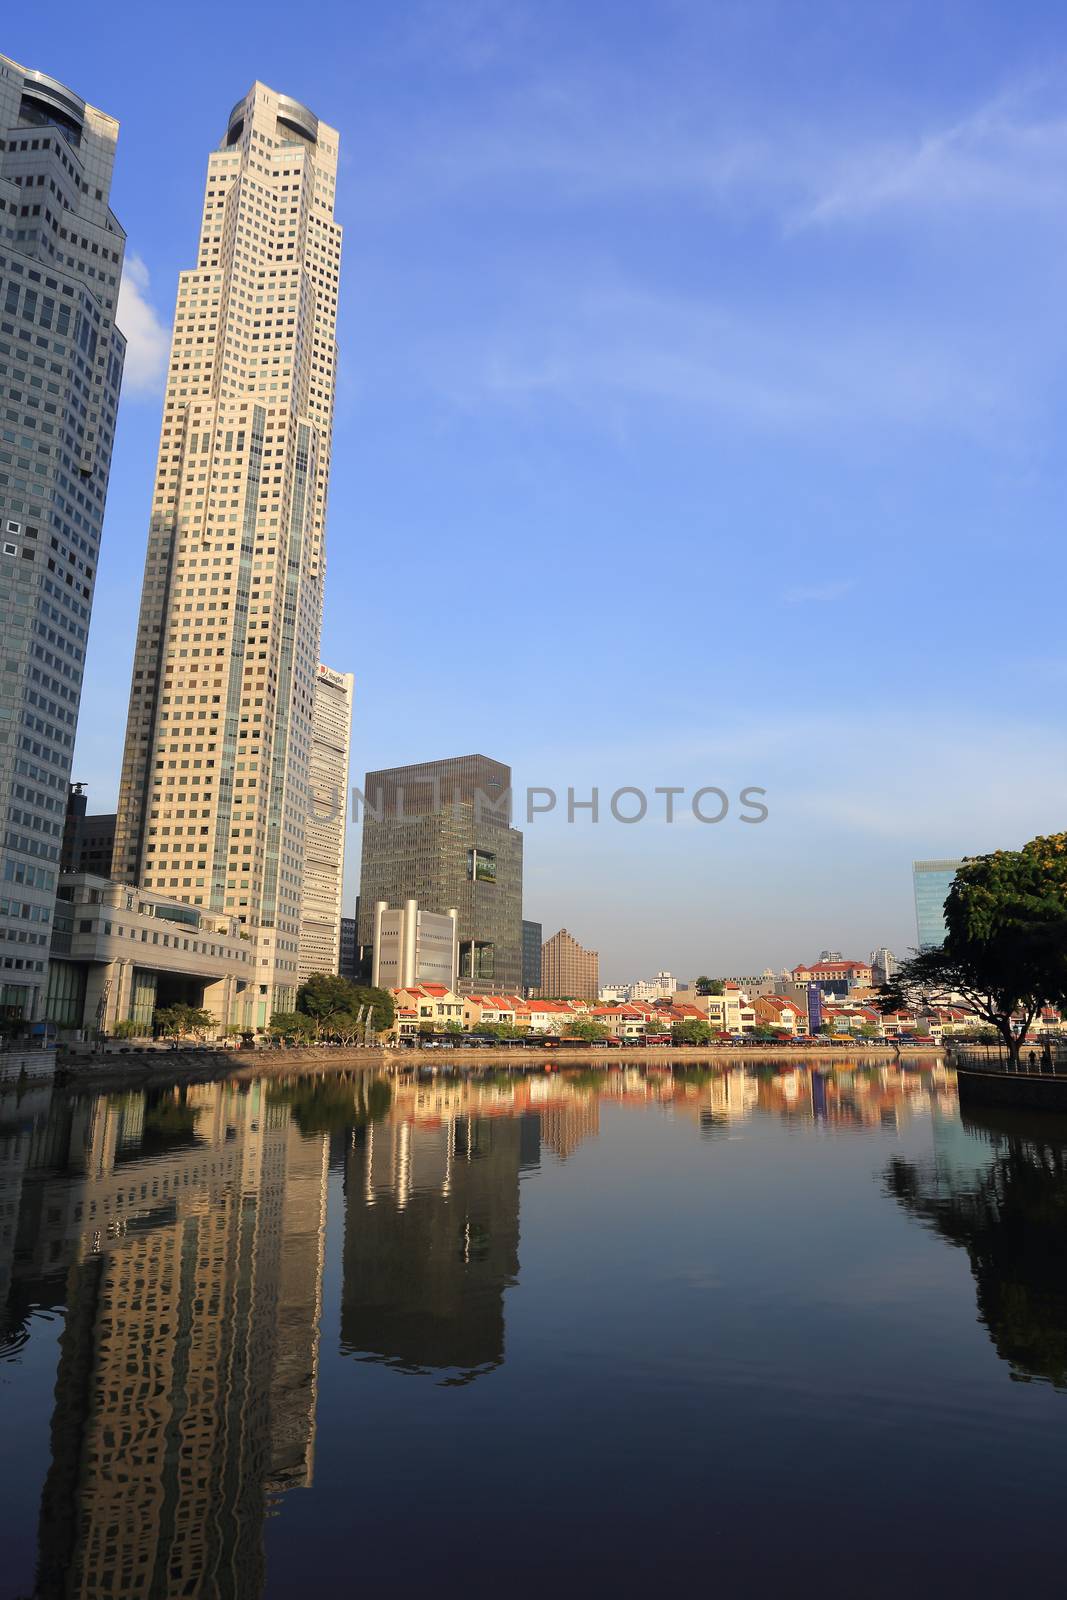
x,y
18,1066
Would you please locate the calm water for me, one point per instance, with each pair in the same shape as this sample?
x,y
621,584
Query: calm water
x,y
597,1333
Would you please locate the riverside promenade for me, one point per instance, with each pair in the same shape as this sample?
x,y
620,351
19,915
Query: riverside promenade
x,y
1036,1082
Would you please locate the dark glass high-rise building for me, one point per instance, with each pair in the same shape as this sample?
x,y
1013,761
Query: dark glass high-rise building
x,y
348,958
61,360
532,933
440,832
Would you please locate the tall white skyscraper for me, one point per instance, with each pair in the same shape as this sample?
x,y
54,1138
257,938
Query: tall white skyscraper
x,y
61,360
324,840
215,784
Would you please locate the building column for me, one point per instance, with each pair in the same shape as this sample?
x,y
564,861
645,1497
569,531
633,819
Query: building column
x,y
380,908
409,930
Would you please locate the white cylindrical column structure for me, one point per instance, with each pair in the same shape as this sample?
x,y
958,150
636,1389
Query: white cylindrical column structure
x,y
454,914
380,907
409,929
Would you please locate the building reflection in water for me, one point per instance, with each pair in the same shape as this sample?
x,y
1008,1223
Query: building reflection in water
x,y
183,1234
997,1188
432,1240
179,1236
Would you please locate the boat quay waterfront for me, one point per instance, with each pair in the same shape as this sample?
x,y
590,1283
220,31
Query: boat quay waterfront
x,y
122,1069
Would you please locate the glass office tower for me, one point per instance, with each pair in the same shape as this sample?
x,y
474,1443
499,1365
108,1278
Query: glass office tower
x,y
61,360
933,880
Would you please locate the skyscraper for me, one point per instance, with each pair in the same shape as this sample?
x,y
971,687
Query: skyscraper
x,y
568,970
324,842
215,782
440,833
932,880
532,934
348,954
61,360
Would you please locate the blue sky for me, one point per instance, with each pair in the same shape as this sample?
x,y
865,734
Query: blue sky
x,y
700,421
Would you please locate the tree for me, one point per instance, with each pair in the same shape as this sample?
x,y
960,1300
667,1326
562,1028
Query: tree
x,y
348,1026
382,1009
691,1031
291,1025
180,1020
585,1028
870,1030
324,996
709,985
1005,949
453,1027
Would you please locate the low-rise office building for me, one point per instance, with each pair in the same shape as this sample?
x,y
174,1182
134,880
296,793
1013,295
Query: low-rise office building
x,y
414,946
119,953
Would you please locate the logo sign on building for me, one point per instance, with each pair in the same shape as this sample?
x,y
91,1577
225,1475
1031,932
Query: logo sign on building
x,y
814,1008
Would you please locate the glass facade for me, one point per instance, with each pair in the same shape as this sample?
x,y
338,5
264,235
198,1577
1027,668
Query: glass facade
x,y
65,1004
61,360
439,832
932,880
532,935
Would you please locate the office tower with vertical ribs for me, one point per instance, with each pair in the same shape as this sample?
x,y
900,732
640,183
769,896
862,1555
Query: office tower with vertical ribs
x,y
324,844
61,360
215,784
569,970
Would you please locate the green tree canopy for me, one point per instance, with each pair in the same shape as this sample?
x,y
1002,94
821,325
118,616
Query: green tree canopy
x,y
706,985
180,1020
290,1025
691,1031
585,1028
326,996
1005,949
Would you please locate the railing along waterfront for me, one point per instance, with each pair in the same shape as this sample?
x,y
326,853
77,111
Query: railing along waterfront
x,y
1044,1061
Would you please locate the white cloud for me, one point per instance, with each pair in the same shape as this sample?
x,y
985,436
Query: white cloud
x,y
604,347
147,338
1006,155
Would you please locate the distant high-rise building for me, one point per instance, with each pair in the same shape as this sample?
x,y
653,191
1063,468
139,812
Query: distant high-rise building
x,y
440,832
932,880
324,839
883,965
348,952
214,795
88,840
61,360
532,935
567,970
